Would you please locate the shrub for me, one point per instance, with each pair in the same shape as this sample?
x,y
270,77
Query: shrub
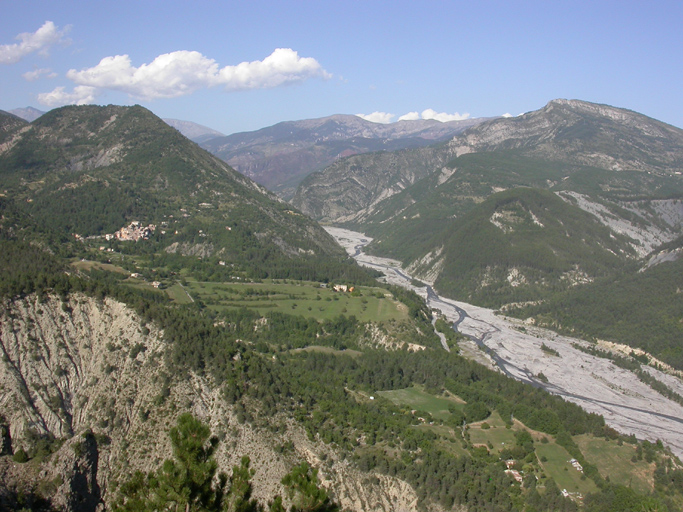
x,y
20,456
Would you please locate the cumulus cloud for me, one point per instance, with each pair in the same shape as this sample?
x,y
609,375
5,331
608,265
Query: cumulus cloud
x,y
34,75
183,72
81,95
30,42
442,116
433,114
377,117
410,116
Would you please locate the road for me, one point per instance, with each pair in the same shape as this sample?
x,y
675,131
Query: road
x,y
514,348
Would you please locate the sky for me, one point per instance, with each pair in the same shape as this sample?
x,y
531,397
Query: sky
x,y
241,66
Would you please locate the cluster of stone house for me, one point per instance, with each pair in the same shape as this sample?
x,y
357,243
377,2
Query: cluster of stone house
x,y
343,288
133,232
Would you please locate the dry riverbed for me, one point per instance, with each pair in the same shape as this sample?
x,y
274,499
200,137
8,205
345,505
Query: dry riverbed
x,y
513,347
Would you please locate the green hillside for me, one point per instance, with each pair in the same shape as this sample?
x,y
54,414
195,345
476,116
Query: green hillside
x,y
89,171
518,245
641,309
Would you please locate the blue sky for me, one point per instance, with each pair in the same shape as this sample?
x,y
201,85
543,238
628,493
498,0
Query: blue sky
x,y
238,66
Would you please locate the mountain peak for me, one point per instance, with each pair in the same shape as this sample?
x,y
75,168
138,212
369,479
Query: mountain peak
x,y
29,114
582,133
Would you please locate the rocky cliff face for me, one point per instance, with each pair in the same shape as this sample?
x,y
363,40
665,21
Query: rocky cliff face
x,y
348,190
582,133
88,379
64,361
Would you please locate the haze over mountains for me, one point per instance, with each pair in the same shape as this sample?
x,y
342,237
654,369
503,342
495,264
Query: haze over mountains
x,y
28,114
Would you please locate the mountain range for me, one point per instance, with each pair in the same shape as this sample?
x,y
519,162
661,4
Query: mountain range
x,y
515,210
87,172
193,131
280,156
27,114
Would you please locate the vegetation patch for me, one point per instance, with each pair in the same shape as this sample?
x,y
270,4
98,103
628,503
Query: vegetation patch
x,y
497,435
617,462
309,299
555,461
419,400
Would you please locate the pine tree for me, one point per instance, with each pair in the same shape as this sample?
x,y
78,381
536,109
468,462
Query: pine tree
x,y
303,489
183,484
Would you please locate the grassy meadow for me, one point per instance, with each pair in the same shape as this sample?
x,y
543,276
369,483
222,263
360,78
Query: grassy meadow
x,y
295,298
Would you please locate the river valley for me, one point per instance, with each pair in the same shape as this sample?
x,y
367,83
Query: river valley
x,y
514,348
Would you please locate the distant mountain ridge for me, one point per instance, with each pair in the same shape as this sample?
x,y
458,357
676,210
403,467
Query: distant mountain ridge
x,y
570,133
29,114
280,156
193,131
583,133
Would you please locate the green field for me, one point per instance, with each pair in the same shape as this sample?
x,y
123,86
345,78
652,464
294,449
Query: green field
x,y
499,436
299,298
418,399
615,461
557,466
178,294
88,265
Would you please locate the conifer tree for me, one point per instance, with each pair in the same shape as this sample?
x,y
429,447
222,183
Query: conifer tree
x,y
183,484
304,491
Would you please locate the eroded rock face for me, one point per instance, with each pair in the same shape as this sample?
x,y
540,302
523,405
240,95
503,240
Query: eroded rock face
x,y
91,375
64,361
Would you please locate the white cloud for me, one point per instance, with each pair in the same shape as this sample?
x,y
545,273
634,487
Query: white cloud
x,y
81,95
30,42
507,114
283,66
383,117
34,75
377,117
433,114
183,72
442,116
410,116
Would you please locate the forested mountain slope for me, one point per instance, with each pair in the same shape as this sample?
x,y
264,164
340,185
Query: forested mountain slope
x,y
558,146
8,124
90,171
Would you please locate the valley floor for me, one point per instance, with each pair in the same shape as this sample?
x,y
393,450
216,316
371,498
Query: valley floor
x,y
596,384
